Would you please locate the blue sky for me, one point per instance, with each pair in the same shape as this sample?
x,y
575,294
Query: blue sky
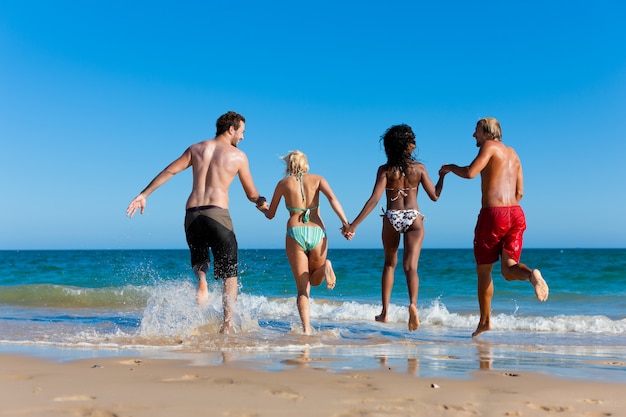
x,y
98,97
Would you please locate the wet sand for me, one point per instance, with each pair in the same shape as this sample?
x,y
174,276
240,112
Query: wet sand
x,y
139,386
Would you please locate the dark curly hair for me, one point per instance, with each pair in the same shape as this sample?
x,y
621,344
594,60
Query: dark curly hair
x,y
226,120
396,141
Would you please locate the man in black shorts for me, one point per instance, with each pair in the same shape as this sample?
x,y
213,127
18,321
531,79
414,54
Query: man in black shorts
x,y
215,163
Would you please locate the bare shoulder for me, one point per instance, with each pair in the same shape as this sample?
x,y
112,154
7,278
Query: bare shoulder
x,y
231,153
314,180
511,151
283,182
382,170
491,145
501,150
417,165
202,146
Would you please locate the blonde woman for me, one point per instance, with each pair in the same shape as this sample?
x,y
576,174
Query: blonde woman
x,y
306,243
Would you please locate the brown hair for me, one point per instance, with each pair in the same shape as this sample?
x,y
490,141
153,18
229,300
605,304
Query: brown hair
x,y
226,120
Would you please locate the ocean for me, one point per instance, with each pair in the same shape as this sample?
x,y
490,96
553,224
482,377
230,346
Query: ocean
x,y
74,304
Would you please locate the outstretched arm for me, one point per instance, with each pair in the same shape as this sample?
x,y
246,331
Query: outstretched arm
x,y
334,202
245,177
475,167
139,202
439,185
432,190
271,211
377,192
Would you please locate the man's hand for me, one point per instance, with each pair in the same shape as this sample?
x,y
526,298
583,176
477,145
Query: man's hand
x,y
138,203
444,170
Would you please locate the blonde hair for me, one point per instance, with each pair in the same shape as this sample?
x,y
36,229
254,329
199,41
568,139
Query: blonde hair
x,y
491,127
296,162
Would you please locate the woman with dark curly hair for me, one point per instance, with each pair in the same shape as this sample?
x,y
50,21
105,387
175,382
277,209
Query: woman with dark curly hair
x,y
399,178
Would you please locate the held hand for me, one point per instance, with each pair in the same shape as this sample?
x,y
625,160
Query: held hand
x,y
444,170
348,231
138,203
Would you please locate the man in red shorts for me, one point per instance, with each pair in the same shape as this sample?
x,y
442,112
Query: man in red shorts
x,y
501,223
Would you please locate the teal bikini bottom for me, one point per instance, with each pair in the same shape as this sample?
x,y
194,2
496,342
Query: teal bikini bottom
x,y
308,237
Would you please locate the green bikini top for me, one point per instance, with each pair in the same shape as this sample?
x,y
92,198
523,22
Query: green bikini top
x,y
307,211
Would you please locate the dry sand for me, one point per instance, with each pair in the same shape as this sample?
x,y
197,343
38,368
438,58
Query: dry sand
x,y
131,387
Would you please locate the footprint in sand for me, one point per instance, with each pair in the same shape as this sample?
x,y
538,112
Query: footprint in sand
x,y
549,408
95,412
74,398
131,362
591,401
464,409
224,381
288,395
186,377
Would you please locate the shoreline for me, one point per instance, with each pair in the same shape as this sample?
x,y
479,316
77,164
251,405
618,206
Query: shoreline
x,y
454,361
138,386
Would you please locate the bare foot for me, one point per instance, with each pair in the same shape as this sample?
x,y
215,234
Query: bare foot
x,y
329,273
541,287
202,295
382,317
414,321
482,327
227,328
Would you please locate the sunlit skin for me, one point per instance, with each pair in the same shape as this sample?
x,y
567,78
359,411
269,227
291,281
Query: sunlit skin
x,y
416,175
502,185
214,163
312,268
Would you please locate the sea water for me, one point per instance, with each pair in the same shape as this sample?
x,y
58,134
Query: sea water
x,y
90,303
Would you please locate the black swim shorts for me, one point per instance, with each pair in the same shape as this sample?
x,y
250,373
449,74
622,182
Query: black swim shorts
x,y
211,227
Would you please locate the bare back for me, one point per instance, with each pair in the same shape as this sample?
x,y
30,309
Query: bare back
x,y
290,188
215,163
401,190
501,177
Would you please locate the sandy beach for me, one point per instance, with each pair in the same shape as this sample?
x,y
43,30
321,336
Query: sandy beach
x,y
137,387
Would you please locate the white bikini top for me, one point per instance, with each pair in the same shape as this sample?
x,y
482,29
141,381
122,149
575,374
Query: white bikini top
x,y
401,192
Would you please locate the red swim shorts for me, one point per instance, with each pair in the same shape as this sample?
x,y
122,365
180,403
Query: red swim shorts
x,y
498,229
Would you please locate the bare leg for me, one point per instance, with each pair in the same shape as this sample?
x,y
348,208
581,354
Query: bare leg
x,y
321,268
202,294
413,239
300,269
386,287
514,271
391,241
329,273
485,294
304,311
540,285
414,320
229,300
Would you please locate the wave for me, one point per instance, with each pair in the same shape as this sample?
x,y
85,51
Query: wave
x,y
68,297
169,309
